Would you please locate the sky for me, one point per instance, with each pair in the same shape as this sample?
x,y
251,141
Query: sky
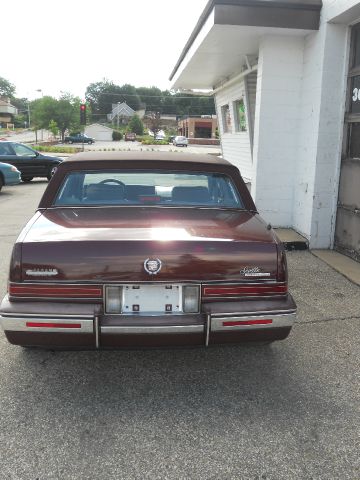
x,y
64,46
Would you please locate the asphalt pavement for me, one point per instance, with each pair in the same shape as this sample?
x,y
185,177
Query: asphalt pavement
x,y
286,411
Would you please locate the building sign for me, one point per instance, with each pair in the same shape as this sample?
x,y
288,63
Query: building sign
x,y
355,95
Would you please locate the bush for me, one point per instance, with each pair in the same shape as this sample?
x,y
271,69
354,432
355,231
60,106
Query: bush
x,y
44,148
150,141
116,135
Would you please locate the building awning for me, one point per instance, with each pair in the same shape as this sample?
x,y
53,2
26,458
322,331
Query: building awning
x,y
228,33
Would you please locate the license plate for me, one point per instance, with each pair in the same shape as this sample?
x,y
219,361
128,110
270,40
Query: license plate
x,y
152,299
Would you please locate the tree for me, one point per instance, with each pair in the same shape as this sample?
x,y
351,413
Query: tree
x,y
102,95
136,125
64,112
53,128
154,122
7,89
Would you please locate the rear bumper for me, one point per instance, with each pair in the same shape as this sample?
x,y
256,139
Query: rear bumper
x,y
48,325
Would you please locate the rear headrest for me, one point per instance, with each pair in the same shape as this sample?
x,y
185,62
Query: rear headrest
x,y
191,194
132,192
101,191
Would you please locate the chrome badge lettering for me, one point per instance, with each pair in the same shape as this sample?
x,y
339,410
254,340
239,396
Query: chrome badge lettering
x,y
42,272
253,272
152,266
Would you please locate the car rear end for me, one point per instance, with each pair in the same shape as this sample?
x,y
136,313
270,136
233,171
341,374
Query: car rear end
x,y
153,270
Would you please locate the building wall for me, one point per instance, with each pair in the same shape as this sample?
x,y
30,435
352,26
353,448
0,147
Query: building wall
x,y
320,134
235,145
276,127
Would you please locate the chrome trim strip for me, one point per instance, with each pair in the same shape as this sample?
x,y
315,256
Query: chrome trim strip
x,y
278,321
46,315
96,328
252,313
155,329
208,324
18,324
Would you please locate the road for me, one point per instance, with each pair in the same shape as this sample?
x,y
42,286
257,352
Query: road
x,y
286,411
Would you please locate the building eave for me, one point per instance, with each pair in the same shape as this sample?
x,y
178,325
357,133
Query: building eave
x,y
286,15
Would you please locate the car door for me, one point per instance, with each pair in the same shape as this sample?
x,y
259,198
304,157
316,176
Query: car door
x,y
7,154
30,164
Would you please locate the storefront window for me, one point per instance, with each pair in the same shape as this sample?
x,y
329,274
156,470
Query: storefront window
x,y
226,118
240,115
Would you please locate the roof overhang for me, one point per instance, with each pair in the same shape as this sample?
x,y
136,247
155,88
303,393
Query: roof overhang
x,y
228,33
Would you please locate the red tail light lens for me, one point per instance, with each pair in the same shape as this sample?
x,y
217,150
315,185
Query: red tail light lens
x,y
53,325
55,291
237,323
248,290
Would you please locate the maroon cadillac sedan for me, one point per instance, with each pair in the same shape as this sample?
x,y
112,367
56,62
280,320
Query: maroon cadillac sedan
x,y
146,249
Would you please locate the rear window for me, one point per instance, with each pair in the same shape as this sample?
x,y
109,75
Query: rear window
x,y
148,188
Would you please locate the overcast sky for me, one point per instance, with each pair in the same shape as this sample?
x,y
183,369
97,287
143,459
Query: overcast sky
x,y
65,46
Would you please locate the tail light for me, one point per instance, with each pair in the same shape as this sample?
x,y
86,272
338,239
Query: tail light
x,y
248,290
15,264
55,291
113,299
281,264
191,297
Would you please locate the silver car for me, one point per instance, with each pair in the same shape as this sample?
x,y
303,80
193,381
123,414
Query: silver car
x,y
180,141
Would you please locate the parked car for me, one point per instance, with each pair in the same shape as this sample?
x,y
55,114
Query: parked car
x,y
130,137
9,175
146,249
180,141
29,162
79,138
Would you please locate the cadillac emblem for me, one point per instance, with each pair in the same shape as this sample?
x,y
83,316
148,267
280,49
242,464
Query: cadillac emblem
x,y
152,266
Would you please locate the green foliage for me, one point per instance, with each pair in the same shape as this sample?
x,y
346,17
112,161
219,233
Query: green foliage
x,y
101,96
7,89
116,135
53,128
150,141
65,112
50,149
136,125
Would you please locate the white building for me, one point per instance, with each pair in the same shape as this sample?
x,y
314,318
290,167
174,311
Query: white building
x,y
99,132
286,79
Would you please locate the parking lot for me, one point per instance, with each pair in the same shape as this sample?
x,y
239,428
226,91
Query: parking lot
x,y
286,411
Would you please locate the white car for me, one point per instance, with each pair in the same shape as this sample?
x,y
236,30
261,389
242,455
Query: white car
x,y
180,141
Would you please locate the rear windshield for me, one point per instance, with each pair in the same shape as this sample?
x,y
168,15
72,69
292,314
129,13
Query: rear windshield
x,y
148,188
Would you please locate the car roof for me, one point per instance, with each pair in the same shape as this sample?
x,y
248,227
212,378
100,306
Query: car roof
x,y
176,157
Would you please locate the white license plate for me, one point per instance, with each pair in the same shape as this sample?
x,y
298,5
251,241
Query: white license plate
x,y
152,299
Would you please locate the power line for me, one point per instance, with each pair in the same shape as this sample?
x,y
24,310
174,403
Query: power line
x,y
175,95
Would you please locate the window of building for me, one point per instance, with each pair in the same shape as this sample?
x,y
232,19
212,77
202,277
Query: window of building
x,y
240,115
226,118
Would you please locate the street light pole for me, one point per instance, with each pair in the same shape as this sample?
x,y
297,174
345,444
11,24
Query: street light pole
x,y
42,96
28,110
118,111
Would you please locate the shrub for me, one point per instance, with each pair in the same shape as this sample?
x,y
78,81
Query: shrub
x,y
44,148
116,135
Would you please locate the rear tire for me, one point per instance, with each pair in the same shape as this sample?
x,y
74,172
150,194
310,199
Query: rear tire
x,y
26,179
1,183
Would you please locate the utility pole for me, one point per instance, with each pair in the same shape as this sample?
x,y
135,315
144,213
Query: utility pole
x,y
28,111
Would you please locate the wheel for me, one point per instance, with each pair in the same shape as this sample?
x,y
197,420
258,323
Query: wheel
x,y
70,141
26,179
1,183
